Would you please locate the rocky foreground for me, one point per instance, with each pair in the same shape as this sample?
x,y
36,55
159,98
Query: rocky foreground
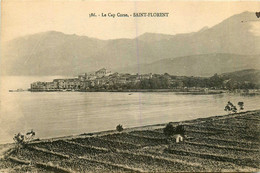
x,y
221,143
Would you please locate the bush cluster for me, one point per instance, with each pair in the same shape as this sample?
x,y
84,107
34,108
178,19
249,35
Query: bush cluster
x,y
119,128
21,139
169,130
230,108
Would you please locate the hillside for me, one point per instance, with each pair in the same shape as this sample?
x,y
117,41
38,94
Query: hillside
x,y
56,53
249,75
199,65
228,143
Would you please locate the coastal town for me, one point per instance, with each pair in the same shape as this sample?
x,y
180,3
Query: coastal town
x,y
104,80
101,78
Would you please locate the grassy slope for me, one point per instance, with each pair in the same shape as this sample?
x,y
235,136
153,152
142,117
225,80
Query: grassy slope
x,y
222,143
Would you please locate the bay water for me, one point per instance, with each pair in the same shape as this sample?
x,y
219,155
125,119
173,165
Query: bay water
x,y
55,114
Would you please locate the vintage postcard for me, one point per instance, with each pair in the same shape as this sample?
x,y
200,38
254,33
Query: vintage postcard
x,y
129,86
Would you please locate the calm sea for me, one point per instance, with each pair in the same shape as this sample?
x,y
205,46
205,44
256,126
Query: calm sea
x,y
53,114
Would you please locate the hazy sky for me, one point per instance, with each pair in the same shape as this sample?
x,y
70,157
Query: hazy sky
x,y
72,17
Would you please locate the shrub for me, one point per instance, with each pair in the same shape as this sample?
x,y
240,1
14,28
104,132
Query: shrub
x,y
241,105
169,130
230,108
180,130
227,108
21,139
119,128
30,135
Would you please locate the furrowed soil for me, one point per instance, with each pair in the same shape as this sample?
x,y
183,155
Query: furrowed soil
x,y
220,143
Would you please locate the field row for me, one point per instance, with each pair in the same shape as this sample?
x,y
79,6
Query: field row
x,y
216,144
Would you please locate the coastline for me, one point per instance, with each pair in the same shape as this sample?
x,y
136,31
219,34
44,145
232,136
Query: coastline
x,y
144,90
146,127
114,138
177,91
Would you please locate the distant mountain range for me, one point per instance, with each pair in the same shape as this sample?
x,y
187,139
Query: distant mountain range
x,y
228,46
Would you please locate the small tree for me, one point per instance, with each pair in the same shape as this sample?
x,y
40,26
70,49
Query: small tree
x,y
180,130
241,105
169,130
119,128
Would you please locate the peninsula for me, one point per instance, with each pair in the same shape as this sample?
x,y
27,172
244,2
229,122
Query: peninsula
x,y
104,80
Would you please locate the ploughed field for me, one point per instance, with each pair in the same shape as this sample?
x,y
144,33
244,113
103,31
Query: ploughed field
x,y
221,143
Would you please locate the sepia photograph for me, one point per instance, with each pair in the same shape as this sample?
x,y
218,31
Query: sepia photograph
x,y
129,86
